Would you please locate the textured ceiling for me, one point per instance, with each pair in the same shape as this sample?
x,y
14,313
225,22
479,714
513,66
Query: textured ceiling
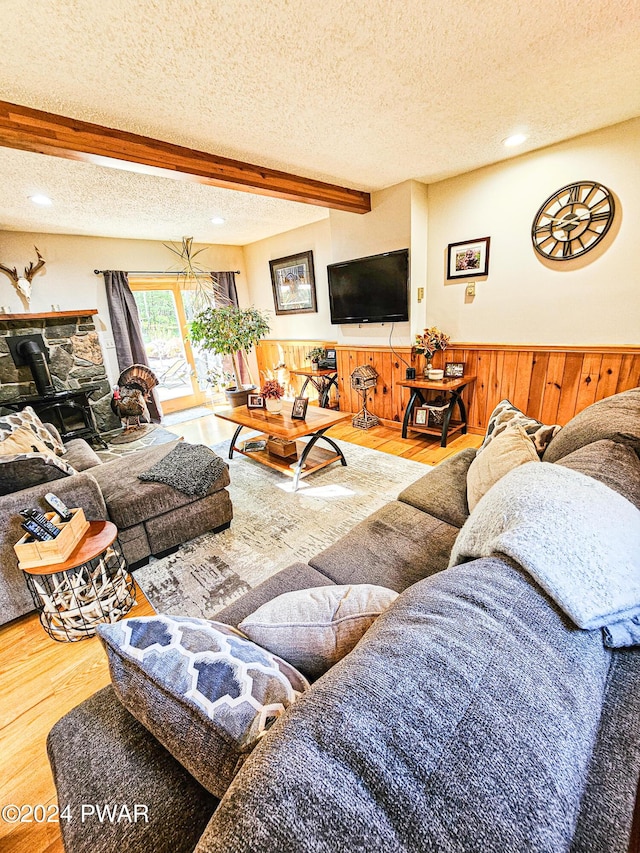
x,y
365,94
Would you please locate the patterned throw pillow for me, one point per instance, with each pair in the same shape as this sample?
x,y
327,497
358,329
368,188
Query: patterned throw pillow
x,y
23,470
27,417
202,689
23,440
505,413
315,628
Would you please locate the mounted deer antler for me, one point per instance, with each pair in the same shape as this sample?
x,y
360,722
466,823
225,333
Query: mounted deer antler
x,y
30,271
12,273
22,283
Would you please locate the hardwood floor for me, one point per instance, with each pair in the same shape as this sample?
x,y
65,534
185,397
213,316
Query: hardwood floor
x,y
40,679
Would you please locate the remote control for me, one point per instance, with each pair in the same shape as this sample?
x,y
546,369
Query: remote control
x,y
57,506
40,519
37,532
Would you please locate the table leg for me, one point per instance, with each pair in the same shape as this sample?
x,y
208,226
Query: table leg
x,y
416,396
233,440
316,436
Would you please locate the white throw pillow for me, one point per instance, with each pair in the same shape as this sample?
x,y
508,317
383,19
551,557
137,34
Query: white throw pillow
x,y
509,449
314,628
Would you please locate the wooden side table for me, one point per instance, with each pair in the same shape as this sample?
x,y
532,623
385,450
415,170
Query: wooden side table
x,y
451,387
91,587
322,380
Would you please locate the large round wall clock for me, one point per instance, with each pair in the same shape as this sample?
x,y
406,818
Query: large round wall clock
x,y
572,221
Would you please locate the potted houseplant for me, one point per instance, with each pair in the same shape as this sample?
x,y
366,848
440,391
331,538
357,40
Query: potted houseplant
x,y
428,343
230,331
272,392
315,355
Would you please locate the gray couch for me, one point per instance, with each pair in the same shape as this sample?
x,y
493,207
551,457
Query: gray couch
x,y
151,517
473,716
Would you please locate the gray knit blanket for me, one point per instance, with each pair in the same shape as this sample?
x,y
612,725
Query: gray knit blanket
x,y
190,468
577,538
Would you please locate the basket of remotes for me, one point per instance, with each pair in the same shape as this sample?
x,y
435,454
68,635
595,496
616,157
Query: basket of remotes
x,y
50,537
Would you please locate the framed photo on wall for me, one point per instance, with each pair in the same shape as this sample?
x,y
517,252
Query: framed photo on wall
x,y
454,370
469,259
255,401
294,284
299,408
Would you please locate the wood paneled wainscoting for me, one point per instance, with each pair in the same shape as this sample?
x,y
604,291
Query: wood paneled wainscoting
x,y
548,383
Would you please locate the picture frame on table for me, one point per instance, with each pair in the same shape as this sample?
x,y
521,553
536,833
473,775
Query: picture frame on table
x,y
294,284
454,370
299,408
255,401
468,259
420,416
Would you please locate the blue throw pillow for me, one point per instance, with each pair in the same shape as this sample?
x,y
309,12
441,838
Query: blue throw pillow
x,y
202,689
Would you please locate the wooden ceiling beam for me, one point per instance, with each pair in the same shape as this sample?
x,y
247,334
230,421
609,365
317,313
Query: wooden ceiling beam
x,y
46,133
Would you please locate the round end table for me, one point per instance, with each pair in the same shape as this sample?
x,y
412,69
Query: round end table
x,y
91,587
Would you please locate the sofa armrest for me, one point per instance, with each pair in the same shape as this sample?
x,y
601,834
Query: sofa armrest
x,y
77,490
442,492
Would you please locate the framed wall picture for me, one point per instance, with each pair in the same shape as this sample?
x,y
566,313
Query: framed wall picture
x,y
255,401
299,408
454,370
469,259
294,284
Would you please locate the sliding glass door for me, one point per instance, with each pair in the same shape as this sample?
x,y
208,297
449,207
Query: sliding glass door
x,y
165,312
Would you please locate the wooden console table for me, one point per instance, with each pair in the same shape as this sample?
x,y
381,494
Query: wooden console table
x,y
451,387
322,380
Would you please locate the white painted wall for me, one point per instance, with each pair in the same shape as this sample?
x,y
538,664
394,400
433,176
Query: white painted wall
x,y
68,279
525,300
341,237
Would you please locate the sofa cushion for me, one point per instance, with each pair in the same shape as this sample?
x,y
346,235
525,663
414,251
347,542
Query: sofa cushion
x,y
100,754
505,413
207,693
394,547
314,628
463,721
510,448
616,418
80,454
23,470
295,576
443,491
129,500
614,464
27,417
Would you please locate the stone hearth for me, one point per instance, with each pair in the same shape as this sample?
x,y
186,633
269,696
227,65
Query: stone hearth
x,y
75,360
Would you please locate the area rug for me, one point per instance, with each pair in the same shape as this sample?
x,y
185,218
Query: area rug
x,y
273,527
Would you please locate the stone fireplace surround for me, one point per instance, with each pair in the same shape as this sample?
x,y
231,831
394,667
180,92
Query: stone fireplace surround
x,y
75,358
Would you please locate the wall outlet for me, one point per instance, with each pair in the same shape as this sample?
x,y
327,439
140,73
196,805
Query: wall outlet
x,y
420,294
470,292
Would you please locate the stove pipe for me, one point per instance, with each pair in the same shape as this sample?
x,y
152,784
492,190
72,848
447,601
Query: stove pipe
x,y
35,358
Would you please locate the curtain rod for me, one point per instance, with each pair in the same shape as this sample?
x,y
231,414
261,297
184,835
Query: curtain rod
x,y
165,272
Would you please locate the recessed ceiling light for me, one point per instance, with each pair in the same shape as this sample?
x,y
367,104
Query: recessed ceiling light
x,y
44,200
516,139
218,220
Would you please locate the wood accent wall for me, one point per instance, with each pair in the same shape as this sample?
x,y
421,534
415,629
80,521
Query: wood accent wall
x,y
548,383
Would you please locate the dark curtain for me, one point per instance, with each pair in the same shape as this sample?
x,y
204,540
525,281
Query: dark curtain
x,y
227,294
127,332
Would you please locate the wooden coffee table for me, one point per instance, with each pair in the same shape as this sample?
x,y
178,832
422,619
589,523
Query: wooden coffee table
x,y
309,457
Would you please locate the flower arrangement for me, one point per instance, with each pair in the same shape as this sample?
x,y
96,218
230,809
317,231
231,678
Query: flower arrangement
x,y
430,341
272,389
316,354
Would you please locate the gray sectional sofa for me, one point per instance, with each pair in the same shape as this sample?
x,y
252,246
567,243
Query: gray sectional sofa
x,y
151,517
472,716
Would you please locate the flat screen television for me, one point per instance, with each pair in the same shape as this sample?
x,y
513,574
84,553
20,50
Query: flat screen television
x,y
370,290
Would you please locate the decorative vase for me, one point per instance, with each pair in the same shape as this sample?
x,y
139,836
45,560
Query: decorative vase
x,y
427,368
236,397
314,365
274,405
